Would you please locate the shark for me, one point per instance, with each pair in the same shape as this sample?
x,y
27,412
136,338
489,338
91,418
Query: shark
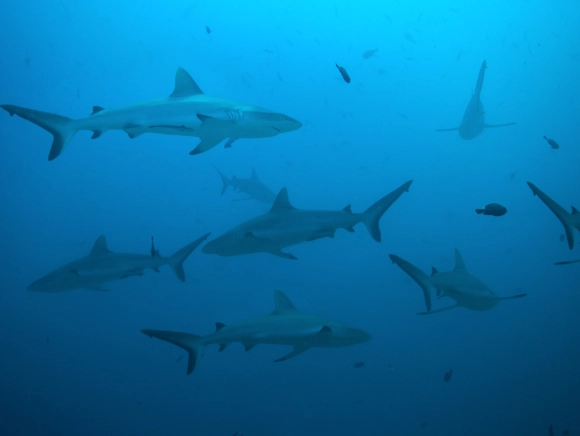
x,y
251,186
473,122
467,290
102,266
570,221
284,225
186,112
284,326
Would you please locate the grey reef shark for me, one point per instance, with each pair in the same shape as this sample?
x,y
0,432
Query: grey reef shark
x,y
473,121
467,291
284,225
284,326
251,186
570,221
102,266
186,112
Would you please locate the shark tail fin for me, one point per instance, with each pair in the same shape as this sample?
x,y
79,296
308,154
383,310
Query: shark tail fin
x,y
176,260
417,275
373,214
191,343
60,127
225,181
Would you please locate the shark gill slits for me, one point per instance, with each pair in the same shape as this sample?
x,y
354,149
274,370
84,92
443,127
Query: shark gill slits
x,y
343,73
447,375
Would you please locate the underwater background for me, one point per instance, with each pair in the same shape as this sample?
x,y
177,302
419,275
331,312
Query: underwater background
x,y
76,362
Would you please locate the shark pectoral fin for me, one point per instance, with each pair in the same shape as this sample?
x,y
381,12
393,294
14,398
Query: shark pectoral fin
x,y
156,269
447,130
96,289
298,349
439,310
513,297
488,126
567,262
207,142
280,253
223,347
248,346
133,130
96,134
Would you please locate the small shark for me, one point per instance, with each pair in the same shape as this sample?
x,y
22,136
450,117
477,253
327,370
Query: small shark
x,y
570,221
186,112
284,225
252,186
284,326
467,291
473,121
102,266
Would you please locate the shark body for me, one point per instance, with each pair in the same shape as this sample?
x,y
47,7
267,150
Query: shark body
x,y
570,221
102,266
473,122
186,112
251,186
467,290
284,226
284,326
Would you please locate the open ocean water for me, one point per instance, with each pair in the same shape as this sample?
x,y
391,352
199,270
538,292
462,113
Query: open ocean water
x,y
76,362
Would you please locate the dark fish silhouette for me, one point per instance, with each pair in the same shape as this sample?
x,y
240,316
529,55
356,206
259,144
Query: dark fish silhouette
x,y
448,375
567,262
358,365
409,37
552,143
369,53
207,29
492,209
343,73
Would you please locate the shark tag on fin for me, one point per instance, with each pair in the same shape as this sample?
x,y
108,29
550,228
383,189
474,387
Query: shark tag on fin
x,y
281,203
459,265
298,349
100,246
185,86
282,304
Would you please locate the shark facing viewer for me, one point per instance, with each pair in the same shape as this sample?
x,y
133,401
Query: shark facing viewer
x,y
186,112
284,326
284,226
467,290
473,121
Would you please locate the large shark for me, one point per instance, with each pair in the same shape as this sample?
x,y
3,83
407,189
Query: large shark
x,y
101,266
467,291
570,221
473,121
251,186
284,326
186,112
284,225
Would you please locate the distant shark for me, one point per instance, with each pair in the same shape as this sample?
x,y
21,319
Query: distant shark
x,y
570,221
252,186
284,326
473,121
467,291
186,112
284,226
103,266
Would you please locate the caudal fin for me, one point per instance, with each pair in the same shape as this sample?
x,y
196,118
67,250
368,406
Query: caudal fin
x,y
225,181
373,214
176,260
190,343
60,127
416,274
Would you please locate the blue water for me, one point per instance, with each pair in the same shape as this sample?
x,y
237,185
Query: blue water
x,y
77,363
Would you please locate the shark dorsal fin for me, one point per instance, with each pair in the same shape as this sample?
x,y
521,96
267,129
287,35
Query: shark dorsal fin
x,y
434,271
281,203
219,326
100,246
254,174
347,209
282,304
574,211
459,265
185,86
97,109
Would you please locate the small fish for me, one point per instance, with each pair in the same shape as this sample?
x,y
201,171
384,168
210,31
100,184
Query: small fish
x,y
343,73
369,53
207,29
409,38
492,209
358,365
567,262
513,175
448,375
552,143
